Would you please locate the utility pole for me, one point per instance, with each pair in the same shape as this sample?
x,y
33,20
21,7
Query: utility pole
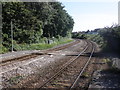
x,y
12,35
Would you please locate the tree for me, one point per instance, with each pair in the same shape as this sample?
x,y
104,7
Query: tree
x,y
34,20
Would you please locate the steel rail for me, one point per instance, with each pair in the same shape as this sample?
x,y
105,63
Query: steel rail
x,y
81,72
64,66
34,55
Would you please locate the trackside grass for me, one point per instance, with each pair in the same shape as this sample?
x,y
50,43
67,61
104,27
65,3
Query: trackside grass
x,y
37,46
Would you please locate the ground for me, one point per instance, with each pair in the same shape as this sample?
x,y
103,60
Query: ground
x,y
37,66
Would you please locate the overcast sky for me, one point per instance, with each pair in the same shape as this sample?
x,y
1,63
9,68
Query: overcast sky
x,y
92,14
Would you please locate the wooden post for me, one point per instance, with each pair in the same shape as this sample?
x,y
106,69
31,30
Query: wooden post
x,y
12,35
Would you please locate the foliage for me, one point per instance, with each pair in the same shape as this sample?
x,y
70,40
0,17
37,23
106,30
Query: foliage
x,y
40,46
15,80
3,49
107,38
34,21
79,35
96,38
111,37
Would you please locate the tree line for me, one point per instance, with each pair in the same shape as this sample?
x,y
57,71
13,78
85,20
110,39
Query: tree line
x,y
33,21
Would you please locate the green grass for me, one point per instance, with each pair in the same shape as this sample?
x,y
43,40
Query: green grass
x,y
46,46
40,46
37,46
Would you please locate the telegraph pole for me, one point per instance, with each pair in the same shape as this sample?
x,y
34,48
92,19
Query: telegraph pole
x,y
12,35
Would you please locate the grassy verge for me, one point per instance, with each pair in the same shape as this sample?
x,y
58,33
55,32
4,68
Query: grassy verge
x,y
41,46
38,46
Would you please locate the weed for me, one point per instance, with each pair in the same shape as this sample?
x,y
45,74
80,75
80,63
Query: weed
x,y
85,75
15,80
106,60
40,46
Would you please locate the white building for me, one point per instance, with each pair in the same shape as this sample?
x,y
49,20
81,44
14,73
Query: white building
x,y
119,12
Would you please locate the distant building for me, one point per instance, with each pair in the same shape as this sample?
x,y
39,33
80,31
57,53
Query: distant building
x,y
119,12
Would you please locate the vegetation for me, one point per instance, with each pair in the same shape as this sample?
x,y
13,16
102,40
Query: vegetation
x,y
15,80
108,38
111,37
34,23
40,46
112,64
96,38
85,75
79,35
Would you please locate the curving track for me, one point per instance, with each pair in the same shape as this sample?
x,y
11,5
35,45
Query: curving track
x,y
33,55
84,67
64,66
71,69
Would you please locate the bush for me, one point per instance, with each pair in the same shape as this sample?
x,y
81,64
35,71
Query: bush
x,y
3,49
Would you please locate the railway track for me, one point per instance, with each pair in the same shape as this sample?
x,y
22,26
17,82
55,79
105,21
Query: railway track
x,y
74,84
66,65
34,55
45,81
39,79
